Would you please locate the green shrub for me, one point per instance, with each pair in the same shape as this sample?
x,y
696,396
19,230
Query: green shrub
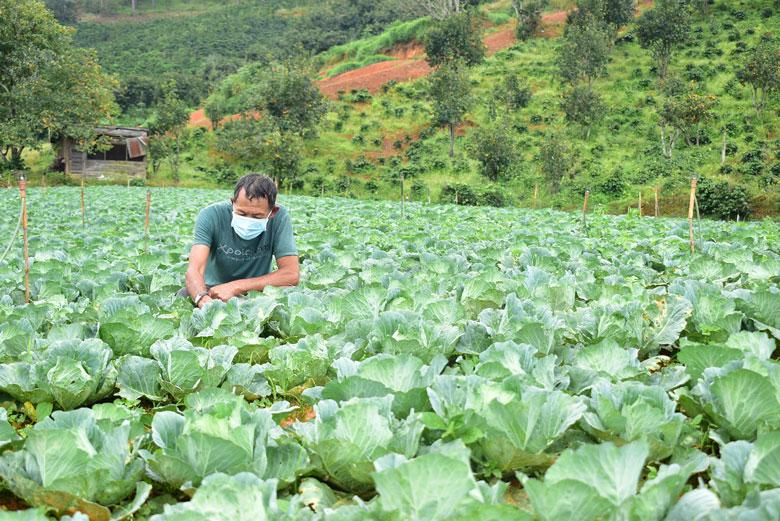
x,y
721,200
458,193
493,197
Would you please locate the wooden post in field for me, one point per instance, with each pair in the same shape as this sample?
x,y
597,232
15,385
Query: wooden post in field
x,y
585,211
23,195
639,206
402,196
128,182
536,195
83,217
690,213
656,200
148,209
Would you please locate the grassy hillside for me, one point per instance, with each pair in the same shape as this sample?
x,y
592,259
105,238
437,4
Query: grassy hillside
x,y
200,42
367,140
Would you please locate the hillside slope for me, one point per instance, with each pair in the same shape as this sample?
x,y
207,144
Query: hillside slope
x,y
197,44
367,139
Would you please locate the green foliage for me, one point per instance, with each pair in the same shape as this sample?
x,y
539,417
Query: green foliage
x,y
557,160
529,17
470,349
450,90
290,99
397,33
617,13
50,87
721,200
759,70
191,48
515,92
666,26
455,38
684,112
168,130
458,193
585,51
65,11
584,107
495,150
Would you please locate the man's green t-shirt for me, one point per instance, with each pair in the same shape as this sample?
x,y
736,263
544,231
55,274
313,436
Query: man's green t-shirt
x,y
232,257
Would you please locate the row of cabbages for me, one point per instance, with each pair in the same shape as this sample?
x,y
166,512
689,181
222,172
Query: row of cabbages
x,y
418,434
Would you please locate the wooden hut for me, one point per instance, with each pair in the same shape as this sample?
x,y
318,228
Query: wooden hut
x,y
125,158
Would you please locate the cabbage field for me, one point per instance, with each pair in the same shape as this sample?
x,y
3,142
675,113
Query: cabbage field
x,y
459,363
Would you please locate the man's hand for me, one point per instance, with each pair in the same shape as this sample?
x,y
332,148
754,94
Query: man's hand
x,y
224,292
205,299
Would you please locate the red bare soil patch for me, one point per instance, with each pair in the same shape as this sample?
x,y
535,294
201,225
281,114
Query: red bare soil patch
x,y
372,77
199,119
499,40
557,17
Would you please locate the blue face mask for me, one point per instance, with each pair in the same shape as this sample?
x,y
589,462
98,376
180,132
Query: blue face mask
x,y
248,227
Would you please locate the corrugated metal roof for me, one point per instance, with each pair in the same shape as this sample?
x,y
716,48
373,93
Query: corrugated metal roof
x,y
136,146
125,132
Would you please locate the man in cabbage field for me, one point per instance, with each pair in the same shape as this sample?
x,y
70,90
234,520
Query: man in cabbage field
x,y
235,241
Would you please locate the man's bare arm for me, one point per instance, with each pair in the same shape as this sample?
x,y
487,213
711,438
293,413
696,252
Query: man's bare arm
x,y
287,274
196,270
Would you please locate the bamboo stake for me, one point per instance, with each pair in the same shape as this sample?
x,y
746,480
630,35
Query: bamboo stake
x,y
639,207
83,218
403,210
148,208
585,210
656,200
23,195
690,214
536,194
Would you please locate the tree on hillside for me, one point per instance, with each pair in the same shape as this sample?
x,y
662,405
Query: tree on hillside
x,y
495,150
616,13
557,160
291,100
584,53
450,90
584,107
760,70
514,92
529,16
458,37
683,114
168,130
290,108
254,144
663,28
47,85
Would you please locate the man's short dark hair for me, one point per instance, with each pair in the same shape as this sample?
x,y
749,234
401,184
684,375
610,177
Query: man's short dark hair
x,y
257,186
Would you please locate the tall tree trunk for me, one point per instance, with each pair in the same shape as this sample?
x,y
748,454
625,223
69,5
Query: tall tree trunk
x,y
132,3
452,140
